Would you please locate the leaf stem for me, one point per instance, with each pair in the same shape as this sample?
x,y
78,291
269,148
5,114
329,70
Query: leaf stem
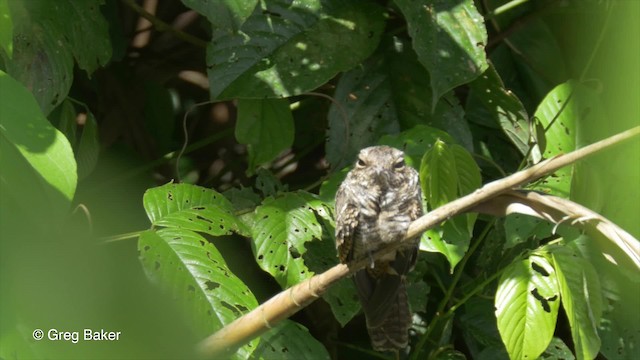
x,y
120,237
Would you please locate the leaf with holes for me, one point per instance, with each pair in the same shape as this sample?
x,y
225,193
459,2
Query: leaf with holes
x,y
282,227
581,300
289,340
288,48
503,107
187,206
519,228
192,271
527,302
558,114
449,40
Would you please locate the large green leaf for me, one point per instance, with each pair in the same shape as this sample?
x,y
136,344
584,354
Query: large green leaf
x,y
266,126
389,91
557,113
503,107
538,56
290,47
527,301
519,228
33,145
186,206
282,227
289,340
581,300
449,38
366,112
223,14
415,142
192,271
446,173
46,42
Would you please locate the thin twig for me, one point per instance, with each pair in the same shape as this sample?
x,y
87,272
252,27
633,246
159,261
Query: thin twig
x,y
163,26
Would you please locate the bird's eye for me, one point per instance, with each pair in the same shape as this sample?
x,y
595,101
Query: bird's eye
x,y
360,163
399,165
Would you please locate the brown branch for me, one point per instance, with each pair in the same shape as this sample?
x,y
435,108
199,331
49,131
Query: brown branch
x,y
560,211
290,301
163,26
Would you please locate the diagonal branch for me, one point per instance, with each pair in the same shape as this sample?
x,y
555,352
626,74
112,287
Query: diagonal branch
x,y
290,301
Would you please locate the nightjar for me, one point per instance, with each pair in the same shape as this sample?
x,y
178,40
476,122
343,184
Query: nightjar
x,y
375,204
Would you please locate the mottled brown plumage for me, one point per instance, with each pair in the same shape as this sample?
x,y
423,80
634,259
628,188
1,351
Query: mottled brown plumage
x,y
375,204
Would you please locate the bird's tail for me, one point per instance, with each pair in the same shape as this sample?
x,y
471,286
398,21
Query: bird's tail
x,y
393,333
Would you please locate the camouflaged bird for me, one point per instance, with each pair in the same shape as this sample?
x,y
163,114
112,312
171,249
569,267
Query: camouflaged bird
x,y
375,204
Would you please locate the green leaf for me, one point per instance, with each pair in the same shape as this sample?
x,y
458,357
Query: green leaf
x,y
527,301
480,327
539,57
446,173
389,91
415,142
449,41
46,42
191,207
330,186
581,300
42,147
266,126
366,112
503,107
520,228
287,48
289,340
558,113
438,176
192,271
557,350
282,227
6,29
223,14
268,184
319,257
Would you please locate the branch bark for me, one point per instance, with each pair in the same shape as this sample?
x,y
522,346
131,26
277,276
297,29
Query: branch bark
x,y
290,301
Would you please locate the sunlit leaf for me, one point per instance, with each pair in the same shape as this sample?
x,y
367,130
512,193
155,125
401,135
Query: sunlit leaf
x,y
192,271
288,48
446,173
282,227
503,107
581,300
527,302
449,40
186,206
41,147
